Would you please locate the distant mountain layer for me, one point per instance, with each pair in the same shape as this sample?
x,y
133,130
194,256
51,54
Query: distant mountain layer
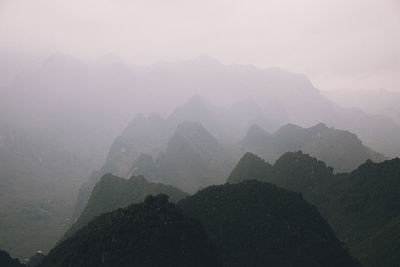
x,y
113,192
153,233
340,149
41,100
143,135
371,101
357,204
191,158
382,248
258,224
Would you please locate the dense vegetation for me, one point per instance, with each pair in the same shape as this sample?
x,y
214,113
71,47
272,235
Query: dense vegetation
x,y
382,248
259,224
153,233
366,200
357,205
7,261
113,192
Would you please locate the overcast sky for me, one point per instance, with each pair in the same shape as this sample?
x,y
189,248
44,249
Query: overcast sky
x,y
336,43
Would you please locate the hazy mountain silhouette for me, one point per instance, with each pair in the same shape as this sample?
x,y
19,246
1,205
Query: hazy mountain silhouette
x,y
112,192
285,97
371,101
143,135
339,149
79,108
193,158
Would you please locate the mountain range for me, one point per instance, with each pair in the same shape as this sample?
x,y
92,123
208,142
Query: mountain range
x,y
361,206
152,233
246,224
112,192
64,119
191,157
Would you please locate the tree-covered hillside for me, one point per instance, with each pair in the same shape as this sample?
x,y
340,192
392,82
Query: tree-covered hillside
x,y
357,205
113,192
366,201
382,248
258,224
151,234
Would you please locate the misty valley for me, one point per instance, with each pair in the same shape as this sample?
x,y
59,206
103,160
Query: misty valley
x,y
193,163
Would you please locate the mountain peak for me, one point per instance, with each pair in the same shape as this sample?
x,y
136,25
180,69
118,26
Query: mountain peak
x,y
250,166
255,129
194,133
195,100
189,127
319,127
256,135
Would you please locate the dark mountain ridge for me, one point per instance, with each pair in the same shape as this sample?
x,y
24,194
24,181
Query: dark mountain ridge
x,y
192,158
356,204
112,192
152,233
259,224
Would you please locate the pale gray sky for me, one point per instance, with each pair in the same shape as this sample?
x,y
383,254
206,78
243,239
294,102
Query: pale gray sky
x,y
336,43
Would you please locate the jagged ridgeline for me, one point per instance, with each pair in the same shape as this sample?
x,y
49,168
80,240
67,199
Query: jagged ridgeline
x,y
112,192
191,157
294,171
357,204
258,224
153,233
338,148
7,261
